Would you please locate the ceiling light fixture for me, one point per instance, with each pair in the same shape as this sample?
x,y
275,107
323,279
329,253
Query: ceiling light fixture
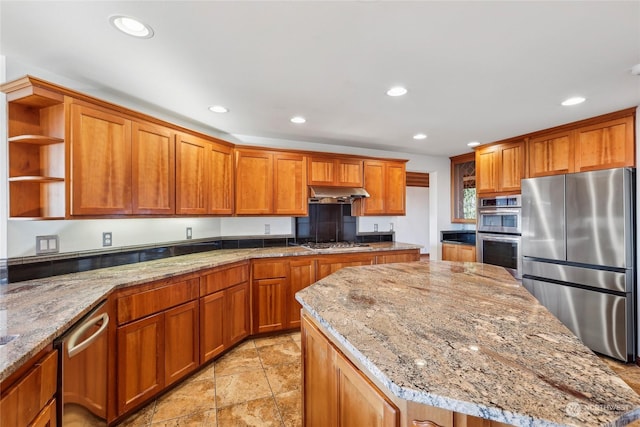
x,y
573,101
131,26
298,120
218,109
397,91
473,144
420,136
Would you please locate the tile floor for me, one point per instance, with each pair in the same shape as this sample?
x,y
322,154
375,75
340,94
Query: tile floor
x,y
256,384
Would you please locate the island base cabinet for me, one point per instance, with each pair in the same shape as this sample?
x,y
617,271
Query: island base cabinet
x,y
181,355
335,393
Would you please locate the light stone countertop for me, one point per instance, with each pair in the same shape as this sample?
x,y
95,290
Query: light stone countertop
x,y
468,338
41,310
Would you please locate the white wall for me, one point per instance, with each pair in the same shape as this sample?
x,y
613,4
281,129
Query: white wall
x,y
4,173
255,226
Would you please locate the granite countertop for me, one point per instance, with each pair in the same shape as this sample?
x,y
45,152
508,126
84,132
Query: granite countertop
x,y
467,337
40,310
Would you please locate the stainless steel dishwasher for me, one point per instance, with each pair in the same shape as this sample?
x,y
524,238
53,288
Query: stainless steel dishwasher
x,y
82,382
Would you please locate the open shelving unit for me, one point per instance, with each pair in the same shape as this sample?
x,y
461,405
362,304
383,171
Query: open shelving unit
x,y
36,153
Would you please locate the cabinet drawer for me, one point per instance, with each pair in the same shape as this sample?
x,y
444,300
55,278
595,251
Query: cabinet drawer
x,y
21,403
142,304
269,270
223,278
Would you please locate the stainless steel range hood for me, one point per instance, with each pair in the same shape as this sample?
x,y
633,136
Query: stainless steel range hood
x,y
342,195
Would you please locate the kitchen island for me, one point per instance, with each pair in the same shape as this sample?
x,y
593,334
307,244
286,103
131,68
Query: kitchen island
x,y
449,343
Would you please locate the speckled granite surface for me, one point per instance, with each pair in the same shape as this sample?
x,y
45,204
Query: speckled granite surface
x,y
41,310
467,337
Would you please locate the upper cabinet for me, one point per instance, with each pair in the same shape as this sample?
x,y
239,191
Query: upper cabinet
x,y
463,188
551,154
270,183
335,172
499,167
385,181
204,176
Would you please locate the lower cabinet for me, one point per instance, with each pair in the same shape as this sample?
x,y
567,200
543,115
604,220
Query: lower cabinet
x,y
456,252
335,392
399,256
328,264
29,400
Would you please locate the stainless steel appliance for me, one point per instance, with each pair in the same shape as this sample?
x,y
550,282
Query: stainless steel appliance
x,y
83,350
498,237
578,245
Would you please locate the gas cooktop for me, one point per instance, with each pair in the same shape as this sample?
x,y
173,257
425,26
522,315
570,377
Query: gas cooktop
x,y
333,245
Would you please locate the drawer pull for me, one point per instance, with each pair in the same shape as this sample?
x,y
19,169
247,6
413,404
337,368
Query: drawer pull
x,y
419,423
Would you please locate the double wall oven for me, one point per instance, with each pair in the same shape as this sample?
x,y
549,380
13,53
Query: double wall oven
x,y
499,232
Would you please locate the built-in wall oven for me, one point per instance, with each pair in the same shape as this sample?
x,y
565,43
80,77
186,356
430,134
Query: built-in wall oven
x,y
499,232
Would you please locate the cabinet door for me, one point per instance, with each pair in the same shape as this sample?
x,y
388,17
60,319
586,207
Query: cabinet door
x,y
153,169
387,258
192,154
360,403
302,273
606,145
449,252
374,183
349,173
269,297
100,162
254,182
290,184
237,306
511,166
46,417
319,402
212,325
328,265
395,189
486,180
467,253
140,361
322,171
181,342
551,154
220,179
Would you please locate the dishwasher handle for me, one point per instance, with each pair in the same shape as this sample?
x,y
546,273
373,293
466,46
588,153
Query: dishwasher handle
x,y
74,348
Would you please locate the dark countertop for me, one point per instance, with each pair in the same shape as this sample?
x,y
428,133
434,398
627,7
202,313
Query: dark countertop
x,y
467,337
40,310
461,237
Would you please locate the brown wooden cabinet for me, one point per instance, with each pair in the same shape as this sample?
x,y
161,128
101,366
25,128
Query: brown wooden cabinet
x,y
204,176
157,338
610,144
499,168
463,188
270,183
335,172
327,264
224,309
335,392
456,252
386,183
551,154
29,400
398,256
302,273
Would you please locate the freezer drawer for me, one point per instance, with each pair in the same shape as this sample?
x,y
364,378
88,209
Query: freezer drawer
x,y
602,321
618,281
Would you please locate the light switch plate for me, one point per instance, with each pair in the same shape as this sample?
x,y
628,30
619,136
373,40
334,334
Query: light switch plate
x,y
47,244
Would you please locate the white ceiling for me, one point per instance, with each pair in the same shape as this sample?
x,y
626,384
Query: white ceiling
x,y
474,70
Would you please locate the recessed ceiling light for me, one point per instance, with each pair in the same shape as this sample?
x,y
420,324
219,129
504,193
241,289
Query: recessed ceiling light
x,y
420,136
573,101
298,119
218,109
131,26
473,144
397,91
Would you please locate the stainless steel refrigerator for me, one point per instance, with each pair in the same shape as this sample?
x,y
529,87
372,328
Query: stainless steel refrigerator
x,y
578,248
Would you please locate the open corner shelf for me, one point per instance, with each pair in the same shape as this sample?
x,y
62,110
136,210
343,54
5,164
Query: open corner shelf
x,y
36,139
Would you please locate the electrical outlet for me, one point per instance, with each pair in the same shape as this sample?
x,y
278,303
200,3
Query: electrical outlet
x,y
189,233
375,227
47,244
107,238
267,229
390,226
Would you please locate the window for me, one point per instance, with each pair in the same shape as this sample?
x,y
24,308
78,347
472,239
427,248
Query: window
x,y
463,188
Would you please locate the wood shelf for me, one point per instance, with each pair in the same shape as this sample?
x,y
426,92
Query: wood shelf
x,y
36,139
36,179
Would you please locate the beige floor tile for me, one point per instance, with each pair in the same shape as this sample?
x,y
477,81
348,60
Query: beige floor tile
x,y
241,359
290,407
188,398
198,419
241,387
260,413
141,418
279,354
205,373
273,340
284,378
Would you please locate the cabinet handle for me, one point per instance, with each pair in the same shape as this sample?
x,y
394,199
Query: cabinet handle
x,y
420,423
